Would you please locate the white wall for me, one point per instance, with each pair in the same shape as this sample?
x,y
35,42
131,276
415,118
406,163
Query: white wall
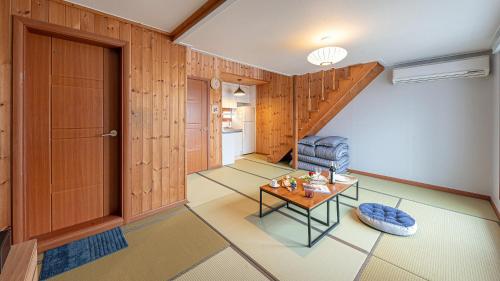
x,y
438,132
496,143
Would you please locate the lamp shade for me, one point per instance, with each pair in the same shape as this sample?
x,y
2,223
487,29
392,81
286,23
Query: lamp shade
x,y
327,56
239,92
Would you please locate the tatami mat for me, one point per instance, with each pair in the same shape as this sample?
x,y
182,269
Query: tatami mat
x,y
227,265
454,202
157,250
447,245
350,230
263,159
242,182
260,169
278,242
201,190
379,270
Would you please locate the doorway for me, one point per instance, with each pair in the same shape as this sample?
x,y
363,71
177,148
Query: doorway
x,y
197,125
68,131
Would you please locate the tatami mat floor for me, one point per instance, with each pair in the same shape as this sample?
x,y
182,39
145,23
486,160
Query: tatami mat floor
x,y
219,236
458,237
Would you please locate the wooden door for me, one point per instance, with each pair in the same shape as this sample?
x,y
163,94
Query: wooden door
x,y
72,169
197,126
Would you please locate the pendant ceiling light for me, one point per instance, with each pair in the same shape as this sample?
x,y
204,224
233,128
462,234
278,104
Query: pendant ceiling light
x,y
239,92
327,56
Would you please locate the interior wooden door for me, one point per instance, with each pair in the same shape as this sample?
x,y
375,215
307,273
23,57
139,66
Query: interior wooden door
x,y
72,161
197,125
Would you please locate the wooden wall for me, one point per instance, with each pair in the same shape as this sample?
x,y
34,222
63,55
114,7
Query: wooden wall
x,y
158,86
274,112
201,65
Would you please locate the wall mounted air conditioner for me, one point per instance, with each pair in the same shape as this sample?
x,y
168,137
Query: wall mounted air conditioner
x,y
460,68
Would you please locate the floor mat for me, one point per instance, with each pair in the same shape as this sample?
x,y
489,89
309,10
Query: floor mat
x,y
447,245
202,190
78,253
454,202
351,229
157,250
379,270
278,242
241,182
260,169
227,265
263,159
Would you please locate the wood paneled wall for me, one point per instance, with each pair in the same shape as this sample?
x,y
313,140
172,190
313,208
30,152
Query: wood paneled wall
x,y
158,85
5,112
204,66
274,112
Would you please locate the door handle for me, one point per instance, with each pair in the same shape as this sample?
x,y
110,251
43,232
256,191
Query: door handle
x,y
112,133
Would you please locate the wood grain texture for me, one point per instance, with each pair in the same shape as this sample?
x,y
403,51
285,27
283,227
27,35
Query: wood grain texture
x,y
208,7
21,263
274,120
36,134
5,113
203,66
80,18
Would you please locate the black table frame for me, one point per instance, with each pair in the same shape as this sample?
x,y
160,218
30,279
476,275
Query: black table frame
x,y
357,193
307,214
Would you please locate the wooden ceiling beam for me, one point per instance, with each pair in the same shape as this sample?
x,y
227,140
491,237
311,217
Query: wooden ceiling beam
x,y
196,17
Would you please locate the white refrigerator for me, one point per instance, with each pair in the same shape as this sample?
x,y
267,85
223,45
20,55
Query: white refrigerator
x,y
246,115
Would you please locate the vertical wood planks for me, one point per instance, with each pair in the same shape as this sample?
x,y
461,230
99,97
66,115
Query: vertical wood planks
x,y
157,75
40,10
147,121
165,120
181,187
136,127
5,113
157,119
21,8
174,123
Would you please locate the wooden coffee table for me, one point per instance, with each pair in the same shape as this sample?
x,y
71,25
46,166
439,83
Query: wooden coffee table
x,y
297,198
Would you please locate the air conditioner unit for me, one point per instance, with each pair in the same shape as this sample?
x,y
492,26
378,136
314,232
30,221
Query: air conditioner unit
x,y
461,68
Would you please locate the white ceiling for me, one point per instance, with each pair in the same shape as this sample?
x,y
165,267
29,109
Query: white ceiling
x,y
161,14
279,34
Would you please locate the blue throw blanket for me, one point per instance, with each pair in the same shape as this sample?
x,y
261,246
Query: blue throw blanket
x,y
332,153
311,167
306,150
324,162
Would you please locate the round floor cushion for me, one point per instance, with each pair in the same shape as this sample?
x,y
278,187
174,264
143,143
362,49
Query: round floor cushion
x,y
387,219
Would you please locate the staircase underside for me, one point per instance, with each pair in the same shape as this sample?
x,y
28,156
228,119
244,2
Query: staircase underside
x,y
320,96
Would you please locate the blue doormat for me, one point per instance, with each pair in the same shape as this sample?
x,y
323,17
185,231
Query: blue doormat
x,y
80,252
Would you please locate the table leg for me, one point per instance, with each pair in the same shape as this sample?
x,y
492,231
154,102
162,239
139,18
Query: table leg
x,y
260,204
309,228
338,211
357,193
328,212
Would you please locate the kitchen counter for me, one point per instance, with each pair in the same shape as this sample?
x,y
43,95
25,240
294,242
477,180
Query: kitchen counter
x,y
231,130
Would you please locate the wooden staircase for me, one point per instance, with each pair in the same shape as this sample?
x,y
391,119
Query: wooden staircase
x,y
322,95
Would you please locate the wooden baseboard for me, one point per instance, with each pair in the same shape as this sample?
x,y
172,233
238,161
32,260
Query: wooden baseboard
x,y
76,232
424,185
495,208
156,211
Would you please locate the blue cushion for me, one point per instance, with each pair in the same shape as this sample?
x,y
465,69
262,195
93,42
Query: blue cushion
x,y
387,219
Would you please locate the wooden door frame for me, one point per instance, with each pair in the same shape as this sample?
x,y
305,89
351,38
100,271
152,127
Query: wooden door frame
x,y
22,25
209,114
